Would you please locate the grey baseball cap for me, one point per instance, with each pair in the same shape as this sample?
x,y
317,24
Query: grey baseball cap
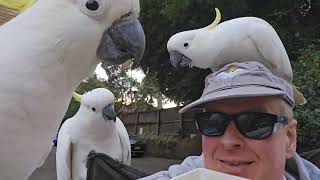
x,y
246,79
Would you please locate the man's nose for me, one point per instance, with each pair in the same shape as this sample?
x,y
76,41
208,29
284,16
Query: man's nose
x,y
232,139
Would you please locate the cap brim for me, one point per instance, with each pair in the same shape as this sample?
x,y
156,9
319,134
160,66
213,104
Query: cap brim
x,y
232,93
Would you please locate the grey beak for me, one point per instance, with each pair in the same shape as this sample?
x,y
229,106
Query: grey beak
x,y
124,40
108,113
179,60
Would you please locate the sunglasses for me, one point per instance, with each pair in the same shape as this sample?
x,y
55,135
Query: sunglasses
x,y
253,125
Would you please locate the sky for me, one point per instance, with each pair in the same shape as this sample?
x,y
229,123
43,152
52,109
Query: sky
x,y
137,74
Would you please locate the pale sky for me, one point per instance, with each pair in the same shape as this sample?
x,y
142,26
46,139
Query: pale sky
x,y
137,74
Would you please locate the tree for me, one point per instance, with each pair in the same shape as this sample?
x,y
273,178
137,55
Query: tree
x,y
149,91
307,73
122,83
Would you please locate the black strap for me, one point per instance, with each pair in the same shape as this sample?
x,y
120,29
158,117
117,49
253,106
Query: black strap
x,y
101,167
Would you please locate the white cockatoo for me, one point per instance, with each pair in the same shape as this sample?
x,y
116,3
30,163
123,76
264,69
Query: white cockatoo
x,y
45,53
94,127
236,40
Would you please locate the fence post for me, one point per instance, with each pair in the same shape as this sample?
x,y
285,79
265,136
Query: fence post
x,y
158,122
136,125
181,124
194,129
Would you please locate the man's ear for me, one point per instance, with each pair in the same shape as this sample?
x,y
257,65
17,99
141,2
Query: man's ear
x,y
292,138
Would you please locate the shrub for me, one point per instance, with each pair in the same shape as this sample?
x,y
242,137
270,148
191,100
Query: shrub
x,y
307,77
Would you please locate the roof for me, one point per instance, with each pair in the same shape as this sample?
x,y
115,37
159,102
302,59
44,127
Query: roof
x,y
6,14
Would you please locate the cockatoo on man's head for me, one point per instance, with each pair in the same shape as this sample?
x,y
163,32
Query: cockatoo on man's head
x,y
94,127
45,53
237,40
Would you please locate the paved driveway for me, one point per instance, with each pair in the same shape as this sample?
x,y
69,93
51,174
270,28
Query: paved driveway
x,y
148,164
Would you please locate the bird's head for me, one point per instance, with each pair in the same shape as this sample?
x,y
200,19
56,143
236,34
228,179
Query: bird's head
x,y
112,25
184,46
99,103
124,39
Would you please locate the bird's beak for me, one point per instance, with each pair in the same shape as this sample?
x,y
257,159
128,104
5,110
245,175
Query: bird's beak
x,y
179,60
108,113
123,41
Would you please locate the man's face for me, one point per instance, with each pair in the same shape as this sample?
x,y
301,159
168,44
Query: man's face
x,y
235,154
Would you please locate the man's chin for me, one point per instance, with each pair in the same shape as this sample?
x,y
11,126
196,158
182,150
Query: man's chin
x,y
241,170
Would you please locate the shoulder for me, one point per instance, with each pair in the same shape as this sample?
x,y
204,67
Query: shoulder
x,y
302,169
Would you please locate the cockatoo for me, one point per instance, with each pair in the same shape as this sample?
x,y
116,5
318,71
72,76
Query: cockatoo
x,y
45,53
94,127
236,40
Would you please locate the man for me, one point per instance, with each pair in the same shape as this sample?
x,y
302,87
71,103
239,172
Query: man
x,y
248,129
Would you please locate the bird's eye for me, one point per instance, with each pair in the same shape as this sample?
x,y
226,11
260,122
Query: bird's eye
x,y
94,8
92,5
186,44
93,109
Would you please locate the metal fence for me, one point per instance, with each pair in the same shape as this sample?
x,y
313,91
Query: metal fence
x,y
163,121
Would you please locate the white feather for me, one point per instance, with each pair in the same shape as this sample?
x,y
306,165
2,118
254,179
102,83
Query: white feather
x,y
125,142
45,52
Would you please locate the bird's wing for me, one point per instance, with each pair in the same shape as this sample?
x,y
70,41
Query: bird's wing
x,y
270,47
64,153
125,142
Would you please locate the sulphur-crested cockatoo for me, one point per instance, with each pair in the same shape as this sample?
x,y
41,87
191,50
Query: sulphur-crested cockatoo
x,y
45,53
94,127
237,40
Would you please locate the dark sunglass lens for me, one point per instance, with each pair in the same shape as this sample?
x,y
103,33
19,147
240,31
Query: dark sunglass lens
x,y
212,124
256,125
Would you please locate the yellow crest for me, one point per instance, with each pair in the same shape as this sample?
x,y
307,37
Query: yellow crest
x,y
216,21
76,96
18,5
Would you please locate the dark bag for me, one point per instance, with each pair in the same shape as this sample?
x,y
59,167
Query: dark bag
x,y
103,167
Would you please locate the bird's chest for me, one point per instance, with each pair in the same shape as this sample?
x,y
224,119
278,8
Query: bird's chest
x,y
107,145
82,147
